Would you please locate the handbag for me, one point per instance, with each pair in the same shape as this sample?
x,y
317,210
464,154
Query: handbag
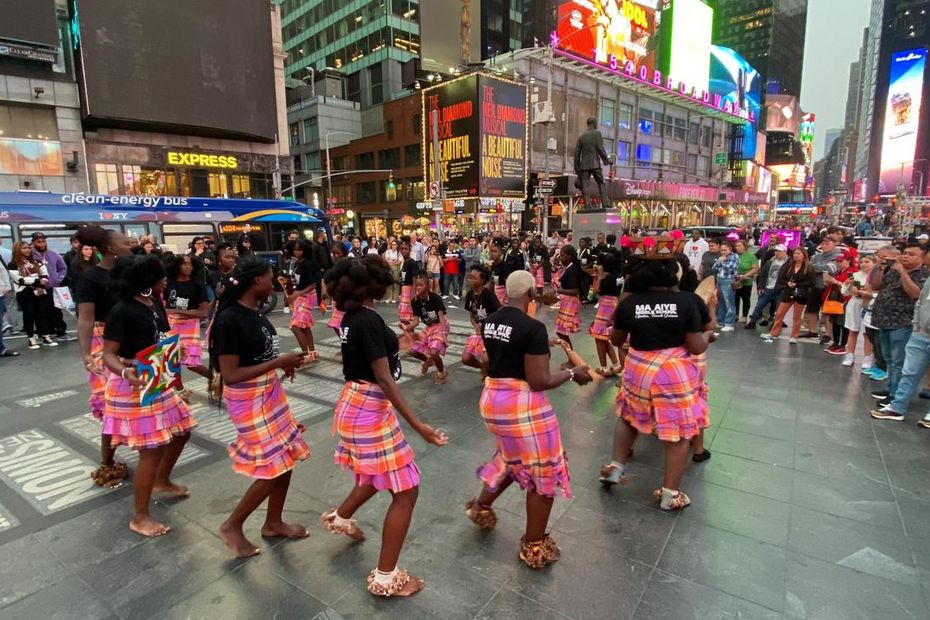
x,y
834,303
61,295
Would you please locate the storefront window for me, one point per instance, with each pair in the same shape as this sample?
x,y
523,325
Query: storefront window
x,y
218,185
416,189
107,179
240,186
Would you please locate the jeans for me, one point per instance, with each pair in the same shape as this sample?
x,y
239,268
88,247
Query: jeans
x,y
916,361
769,298
726,311
894,342
453,284
12,312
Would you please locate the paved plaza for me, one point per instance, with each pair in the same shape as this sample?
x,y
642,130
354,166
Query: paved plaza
x,y
807,509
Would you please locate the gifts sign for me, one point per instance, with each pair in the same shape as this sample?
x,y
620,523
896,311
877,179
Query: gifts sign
x,y
159,368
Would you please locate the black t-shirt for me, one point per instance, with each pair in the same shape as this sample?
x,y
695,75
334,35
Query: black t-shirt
x,y
481,305
135,326
508,335
244,332
659,319
571,277
500,272
428,309
702,309
305,274
365,338
515,259
183,295
93,287
611,284
408,270
585,258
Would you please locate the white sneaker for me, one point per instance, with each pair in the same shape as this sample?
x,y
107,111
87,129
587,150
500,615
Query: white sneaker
x,y
766,336
33,343
727,328
849,359
792,340
287,310
867,362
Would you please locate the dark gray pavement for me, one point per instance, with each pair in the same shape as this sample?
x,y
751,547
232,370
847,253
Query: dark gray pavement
x,y
808,508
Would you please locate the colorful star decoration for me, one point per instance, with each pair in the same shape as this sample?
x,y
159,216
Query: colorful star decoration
x,y
159,368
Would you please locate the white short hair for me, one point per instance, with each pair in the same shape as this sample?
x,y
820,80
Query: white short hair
x,y
519,283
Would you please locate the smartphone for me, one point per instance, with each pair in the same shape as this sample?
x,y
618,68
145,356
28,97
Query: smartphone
x,y
890,261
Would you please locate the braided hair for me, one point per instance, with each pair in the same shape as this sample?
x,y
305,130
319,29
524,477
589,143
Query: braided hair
x,y
242,278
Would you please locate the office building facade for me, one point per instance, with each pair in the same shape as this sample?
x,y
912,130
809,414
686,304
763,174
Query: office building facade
x,y
770,34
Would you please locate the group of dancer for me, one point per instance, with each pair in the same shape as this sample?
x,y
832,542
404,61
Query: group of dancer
x,y
662,390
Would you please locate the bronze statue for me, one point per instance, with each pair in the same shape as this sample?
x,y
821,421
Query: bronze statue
x,y
589,155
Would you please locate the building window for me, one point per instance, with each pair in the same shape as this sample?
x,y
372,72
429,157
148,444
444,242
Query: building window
x,y
311,130
388,193
625,116
412,155
365,193
107,179
365,161
705,136
295,134
608,145
644,153
18,121
607,108
415,189
313,163
389,159
694,133
417,124
240,186
681,129
623,152
702,164
646,121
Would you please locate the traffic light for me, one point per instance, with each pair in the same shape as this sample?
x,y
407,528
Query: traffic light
x,y
391,184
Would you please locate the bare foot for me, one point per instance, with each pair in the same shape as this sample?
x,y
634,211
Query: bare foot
x,y
147,526
171,490
237,542
287,530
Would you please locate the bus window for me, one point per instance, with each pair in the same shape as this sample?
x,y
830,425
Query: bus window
x,y
6,235
257,232
58,236
177,237
135,230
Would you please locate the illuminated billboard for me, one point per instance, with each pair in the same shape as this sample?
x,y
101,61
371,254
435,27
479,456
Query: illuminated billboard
x,y
739,82
482,137
807,136
902,118
619,29
783,115
453,37
687,26
790,176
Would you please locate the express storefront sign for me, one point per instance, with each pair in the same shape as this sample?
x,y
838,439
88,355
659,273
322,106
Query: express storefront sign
x,y
202,160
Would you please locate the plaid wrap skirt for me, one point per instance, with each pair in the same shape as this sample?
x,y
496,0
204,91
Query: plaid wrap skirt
x,y
604,320
529,443
568,320
270,440
433,341
335,321
97,382
302,313
191,345
501,291
661,391
404,309
371,443
700,362
143,427
556,276
474,346
539,275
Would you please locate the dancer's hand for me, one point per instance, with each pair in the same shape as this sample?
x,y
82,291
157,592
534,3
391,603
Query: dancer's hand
x,y
291,360
581,376
91,365
129,374
433,435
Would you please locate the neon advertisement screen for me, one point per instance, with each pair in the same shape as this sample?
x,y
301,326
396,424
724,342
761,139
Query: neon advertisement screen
x,y
902,119
739,82
622,29
690,42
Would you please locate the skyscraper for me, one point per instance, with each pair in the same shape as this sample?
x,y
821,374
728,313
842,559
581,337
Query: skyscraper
x,y
769,34
871,43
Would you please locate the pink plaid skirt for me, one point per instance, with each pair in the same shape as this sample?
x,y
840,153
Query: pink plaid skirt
x,y
143,427
371,443
432,342
302,313
700,362
191,344
501,291
556,276
336,320
474,346
568,320
404,309
604,320
529,443
97,382
269,442
539,276
661,392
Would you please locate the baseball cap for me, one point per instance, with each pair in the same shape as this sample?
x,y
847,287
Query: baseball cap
x,y
781,247
923,237
38,235
842,256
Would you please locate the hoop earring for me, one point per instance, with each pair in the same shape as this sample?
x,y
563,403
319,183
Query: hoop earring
x,y
147,292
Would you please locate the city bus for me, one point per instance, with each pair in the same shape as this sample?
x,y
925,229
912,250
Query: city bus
x,y
171,220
